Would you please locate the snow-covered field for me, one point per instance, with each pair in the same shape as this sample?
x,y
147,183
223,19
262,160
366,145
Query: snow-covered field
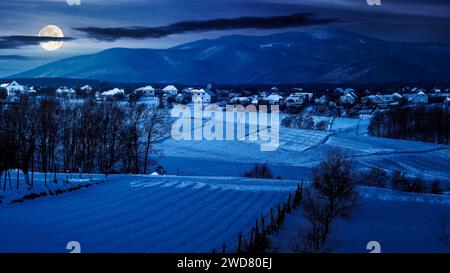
x,y
400,222
208,204
350,125
198,214
300,150
13,187
142,214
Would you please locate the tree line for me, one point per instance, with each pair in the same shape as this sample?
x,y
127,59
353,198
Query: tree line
x,y
53,135
423,123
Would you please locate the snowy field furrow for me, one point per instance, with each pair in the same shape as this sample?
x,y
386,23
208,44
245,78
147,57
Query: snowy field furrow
x,y
142,214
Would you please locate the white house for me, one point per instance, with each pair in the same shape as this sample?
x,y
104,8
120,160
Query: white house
x,y
383,100
274,99
322,100
64,91
417,98
13,89
345,90
255,100
147,91
200,96
274,89
447,101
294,99
240,100
349,98
110,94
170,90
87,89
183,97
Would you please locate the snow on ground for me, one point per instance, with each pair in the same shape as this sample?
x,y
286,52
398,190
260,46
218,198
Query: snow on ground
x,y
400,222
142,214
355,126
300,150
9,192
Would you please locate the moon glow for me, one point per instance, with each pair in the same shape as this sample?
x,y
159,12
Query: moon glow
x,y
51,31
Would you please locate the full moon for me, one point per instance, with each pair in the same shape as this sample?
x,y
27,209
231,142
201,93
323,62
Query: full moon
x,y
51,31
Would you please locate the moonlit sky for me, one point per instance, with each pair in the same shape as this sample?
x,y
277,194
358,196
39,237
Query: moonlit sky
x,y
399,20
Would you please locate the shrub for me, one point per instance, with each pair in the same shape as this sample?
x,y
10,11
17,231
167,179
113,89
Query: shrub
x,y
415,185
375,177
259,171
398,180
436,187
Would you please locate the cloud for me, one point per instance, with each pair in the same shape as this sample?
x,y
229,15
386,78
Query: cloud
x,y
17,41
294,20
14,58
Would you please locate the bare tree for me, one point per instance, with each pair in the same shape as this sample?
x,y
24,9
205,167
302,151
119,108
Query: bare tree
x,y
156,127
47,122
332,194
26,129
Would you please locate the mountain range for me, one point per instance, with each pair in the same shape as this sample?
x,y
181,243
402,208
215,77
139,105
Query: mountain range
x,y
330,56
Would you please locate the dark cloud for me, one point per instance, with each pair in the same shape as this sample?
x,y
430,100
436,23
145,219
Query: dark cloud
x,y
14,58
274,22
17,41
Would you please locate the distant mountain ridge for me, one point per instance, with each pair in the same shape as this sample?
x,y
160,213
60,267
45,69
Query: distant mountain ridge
x,y
291,57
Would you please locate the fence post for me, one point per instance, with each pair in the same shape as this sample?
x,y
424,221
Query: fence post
x,y
239,248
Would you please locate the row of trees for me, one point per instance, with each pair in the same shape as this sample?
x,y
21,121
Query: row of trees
x,y
398,180
423,123
52,135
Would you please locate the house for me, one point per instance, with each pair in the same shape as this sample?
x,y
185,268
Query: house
x,y
201,96
417,98
298,98
383,100
348,98
323,100
345,90
66,92
87,89
146,91
447,101
31,90
437,90
234,94
112,94
170,90
183,98
295,99
240,100
263,94
13,89
255,100
273,99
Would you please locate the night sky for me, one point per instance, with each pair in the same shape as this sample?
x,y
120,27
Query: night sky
x,y
95,25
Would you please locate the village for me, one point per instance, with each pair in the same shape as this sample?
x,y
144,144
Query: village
x,y
348,102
